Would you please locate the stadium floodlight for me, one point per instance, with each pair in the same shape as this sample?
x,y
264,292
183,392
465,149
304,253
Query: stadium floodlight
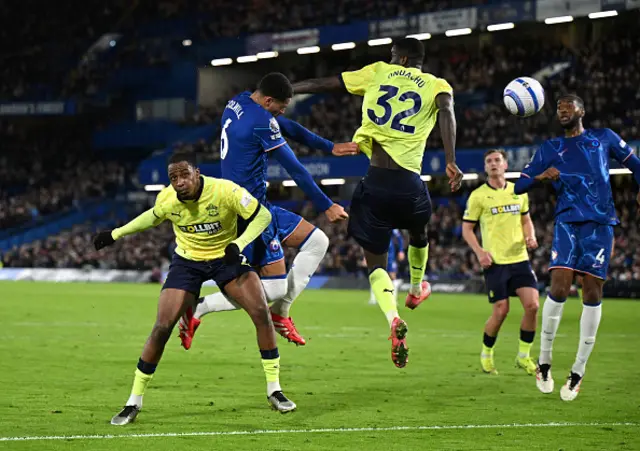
x,y
501,26
152,188
425,178
511,175
379,41
221,62
265,55
603,14
420,36
308,50
343,46
247,59
559,19
470,177
289,183
620,171
457,32
328,182
186,42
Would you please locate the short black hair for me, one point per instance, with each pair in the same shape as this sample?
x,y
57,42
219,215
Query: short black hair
x,y
411,48
276,85
186,156
572,98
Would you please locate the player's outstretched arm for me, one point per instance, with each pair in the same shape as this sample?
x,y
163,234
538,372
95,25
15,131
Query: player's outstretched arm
x,y
316,85
258,223
447,122
304,180
142,222
624,154
302,135
539,169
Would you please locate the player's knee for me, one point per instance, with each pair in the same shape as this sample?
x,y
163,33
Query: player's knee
x,y
560,292
531,307
260,314
418,237
275,289
501,310
591,295
317,242
161,332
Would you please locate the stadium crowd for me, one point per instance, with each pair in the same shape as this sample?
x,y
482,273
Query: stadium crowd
x,y
449,257
44,176
50,174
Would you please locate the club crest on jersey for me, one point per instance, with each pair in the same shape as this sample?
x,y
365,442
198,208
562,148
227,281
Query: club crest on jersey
x,y
514,209
275,129
274,245
207,227
212,210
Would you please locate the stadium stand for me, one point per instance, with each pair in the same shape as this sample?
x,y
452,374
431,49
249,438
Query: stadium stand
x,y
34,175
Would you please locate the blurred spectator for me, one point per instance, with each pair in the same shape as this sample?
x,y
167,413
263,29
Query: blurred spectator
x,y
449,257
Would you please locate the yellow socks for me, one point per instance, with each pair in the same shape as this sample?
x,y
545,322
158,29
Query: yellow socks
x,y
271,367
383,289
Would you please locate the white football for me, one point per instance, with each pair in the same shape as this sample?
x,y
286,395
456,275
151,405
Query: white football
x,y
524,96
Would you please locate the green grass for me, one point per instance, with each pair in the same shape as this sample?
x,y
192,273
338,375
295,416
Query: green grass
x,y
68,352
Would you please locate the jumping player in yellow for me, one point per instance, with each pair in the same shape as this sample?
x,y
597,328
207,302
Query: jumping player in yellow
x,y
400,108
204,212
507,232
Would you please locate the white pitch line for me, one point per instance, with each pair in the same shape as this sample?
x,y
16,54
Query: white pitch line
x,y
311,431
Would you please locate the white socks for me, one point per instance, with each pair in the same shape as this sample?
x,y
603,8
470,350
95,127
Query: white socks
x,y
551,315
589,322
280,292
134,400
218,302
304,265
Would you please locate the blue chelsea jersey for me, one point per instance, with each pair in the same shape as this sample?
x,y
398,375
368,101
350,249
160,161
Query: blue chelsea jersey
x,y
248,133
584,191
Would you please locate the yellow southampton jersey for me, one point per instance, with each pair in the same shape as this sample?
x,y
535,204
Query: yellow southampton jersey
x,y
500,215
204,227
398,111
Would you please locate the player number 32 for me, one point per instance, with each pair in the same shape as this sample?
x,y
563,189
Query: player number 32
x,y
396,124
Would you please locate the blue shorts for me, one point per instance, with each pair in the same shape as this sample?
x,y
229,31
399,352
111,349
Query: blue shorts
x,y
387,199
583,247
189,275
267,248
503,280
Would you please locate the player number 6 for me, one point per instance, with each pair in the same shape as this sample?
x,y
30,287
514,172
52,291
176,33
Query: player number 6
x,y
224,140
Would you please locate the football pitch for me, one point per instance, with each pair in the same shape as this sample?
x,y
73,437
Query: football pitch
x,y
68,353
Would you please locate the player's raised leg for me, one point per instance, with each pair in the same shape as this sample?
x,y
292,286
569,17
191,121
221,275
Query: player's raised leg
x,y
171,305
418,256
529,298
312,244
551,315
491,328
247,291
